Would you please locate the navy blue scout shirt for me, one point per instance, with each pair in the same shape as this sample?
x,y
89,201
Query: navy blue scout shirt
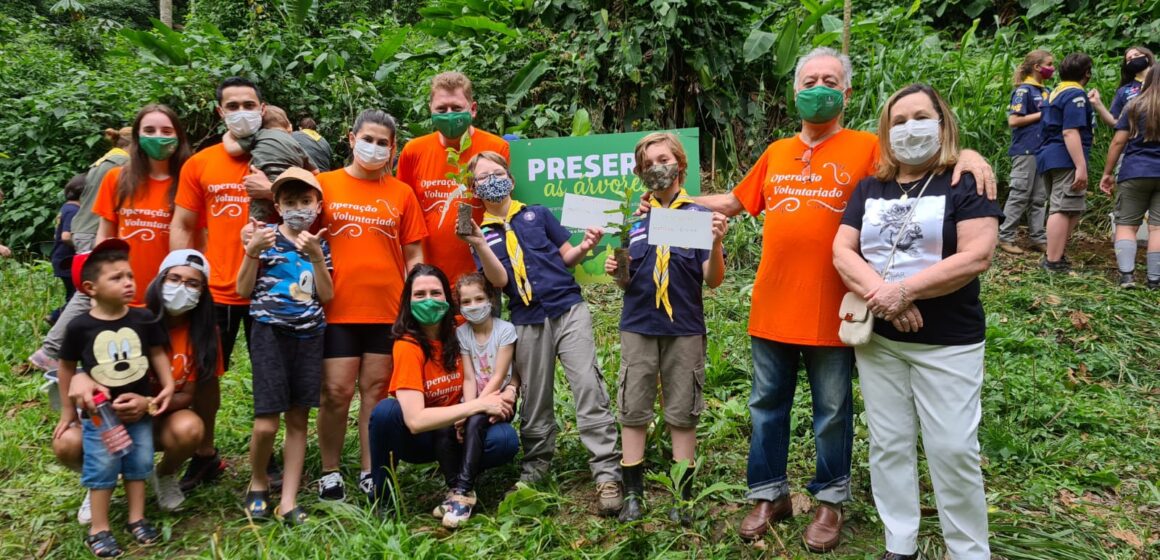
x,y
686,275
1027,99
284,294
62,253
1123,95
554,290
1141,158
930,236
1068,108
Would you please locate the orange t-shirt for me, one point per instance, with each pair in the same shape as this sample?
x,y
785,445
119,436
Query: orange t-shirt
x,y
413,371
143,222
423,166
182,356
211,187
368,222
797,290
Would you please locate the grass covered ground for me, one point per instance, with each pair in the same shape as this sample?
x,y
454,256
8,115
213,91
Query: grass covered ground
x,y
1070,437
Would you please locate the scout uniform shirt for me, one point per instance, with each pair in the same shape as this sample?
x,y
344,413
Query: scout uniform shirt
x,y
1141,159
1123,95
803,192
641,315
1027,99
554,290
1068,108
423,166
142,222
211,187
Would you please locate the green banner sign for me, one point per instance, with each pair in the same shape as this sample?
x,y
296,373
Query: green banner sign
x,y
600,165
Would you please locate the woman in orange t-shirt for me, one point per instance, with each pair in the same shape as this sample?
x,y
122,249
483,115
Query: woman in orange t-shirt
x,y
375,228
135,202
420,424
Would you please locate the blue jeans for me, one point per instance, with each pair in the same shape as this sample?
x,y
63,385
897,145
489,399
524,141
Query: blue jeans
x,y
100,469
775,376
392,441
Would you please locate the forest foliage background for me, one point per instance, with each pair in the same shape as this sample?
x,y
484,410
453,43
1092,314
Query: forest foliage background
x,y
74,67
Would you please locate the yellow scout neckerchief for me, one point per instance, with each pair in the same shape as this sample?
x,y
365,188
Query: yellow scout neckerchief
x,y
1062,87
515,252
313,134
109,154
661,270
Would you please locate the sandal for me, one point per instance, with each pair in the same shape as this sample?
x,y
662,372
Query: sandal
x,y
258,504
144,532
294,517
103,545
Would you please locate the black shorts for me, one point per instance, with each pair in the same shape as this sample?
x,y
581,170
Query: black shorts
x,y
352,340
287,369
230,319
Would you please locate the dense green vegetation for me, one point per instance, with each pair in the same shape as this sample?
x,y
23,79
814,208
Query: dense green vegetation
x,y
719,65
1071,426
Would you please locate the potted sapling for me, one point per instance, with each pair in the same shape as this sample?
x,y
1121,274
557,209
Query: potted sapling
x,y
626,209
462,176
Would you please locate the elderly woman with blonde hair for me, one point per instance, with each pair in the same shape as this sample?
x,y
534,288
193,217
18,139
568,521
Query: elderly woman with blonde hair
x,y
913,247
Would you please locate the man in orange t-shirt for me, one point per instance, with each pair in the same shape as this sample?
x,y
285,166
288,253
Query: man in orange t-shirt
x,y
802,185
210,211
423,165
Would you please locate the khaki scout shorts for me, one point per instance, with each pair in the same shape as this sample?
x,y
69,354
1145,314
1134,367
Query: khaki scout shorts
x,y
1063,199
678,362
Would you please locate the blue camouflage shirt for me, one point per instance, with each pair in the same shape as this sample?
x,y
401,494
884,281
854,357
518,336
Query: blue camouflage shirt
x,y
284,294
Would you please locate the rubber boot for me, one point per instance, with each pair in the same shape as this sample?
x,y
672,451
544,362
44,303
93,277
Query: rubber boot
x,y
633,492
684,514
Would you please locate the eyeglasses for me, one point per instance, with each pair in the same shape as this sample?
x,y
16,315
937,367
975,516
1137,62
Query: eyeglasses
x,y
174,279
807,172
500,173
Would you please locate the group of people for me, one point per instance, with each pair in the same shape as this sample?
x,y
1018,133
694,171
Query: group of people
x,y
359,278
1051,141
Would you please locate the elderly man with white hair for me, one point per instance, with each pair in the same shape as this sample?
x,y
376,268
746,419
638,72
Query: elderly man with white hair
x,y
802,184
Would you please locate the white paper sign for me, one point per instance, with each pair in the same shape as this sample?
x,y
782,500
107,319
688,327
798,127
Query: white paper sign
x,y
680,228
582,212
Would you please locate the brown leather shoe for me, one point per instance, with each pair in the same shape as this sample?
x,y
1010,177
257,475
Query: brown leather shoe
x,y
825,531
764,513
1010,247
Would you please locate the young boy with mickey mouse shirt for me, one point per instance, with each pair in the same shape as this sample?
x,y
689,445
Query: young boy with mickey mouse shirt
x,y
117,345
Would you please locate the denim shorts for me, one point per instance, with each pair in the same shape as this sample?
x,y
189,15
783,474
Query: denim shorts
x,y
100,469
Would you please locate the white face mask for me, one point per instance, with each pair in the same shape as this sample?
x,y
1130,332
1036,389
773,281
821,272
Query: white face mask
x,y
915,141
372,156
476,314
243,124
178,299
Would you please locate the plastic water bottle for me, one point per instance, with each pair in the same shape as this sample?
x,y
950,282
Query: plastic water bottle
x,y
113,433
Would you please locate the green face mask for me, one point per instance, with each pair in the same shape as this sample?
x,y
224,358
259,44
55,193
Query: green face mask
x,y
819,104
452,125
158,147
429,311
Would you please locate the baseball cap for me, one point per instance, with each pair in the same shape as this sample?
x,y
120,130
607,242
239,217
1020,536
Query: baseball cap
x,y
292,174
186,257
78,263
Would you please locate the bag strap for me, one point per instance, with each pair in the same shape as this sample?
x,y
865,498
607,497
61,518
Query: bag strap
x,y
905,224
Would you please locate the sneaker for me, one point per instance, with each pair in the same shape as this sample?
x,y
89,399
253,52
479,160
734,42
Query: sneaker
x,y
1039,246
202,470
331,487
168,490
1127,280
1010,247
609,495
1060,267
459,509
442,508
85,512
42,361
366,483
1154,284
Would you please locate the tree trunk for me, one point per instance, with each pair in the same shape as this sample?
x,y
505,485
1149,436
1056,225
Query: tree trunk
x,y
166,12
846,17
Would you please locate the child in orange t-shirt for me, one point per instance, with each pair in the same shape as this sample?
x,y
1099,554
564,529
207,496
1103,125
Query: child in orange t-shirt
x,y
419,425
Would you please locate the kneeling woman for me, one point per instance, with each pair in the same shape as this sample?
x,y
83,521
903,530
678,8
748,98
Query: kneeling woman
x,y
419,425
914,247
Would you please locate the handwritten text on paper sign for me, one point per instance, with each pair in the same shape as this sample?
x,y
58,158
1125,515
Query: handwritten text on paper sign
x,y
680,228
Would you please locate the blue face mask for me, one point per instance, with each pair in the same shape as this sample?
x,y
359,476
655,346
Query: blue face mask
x,y
494,188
